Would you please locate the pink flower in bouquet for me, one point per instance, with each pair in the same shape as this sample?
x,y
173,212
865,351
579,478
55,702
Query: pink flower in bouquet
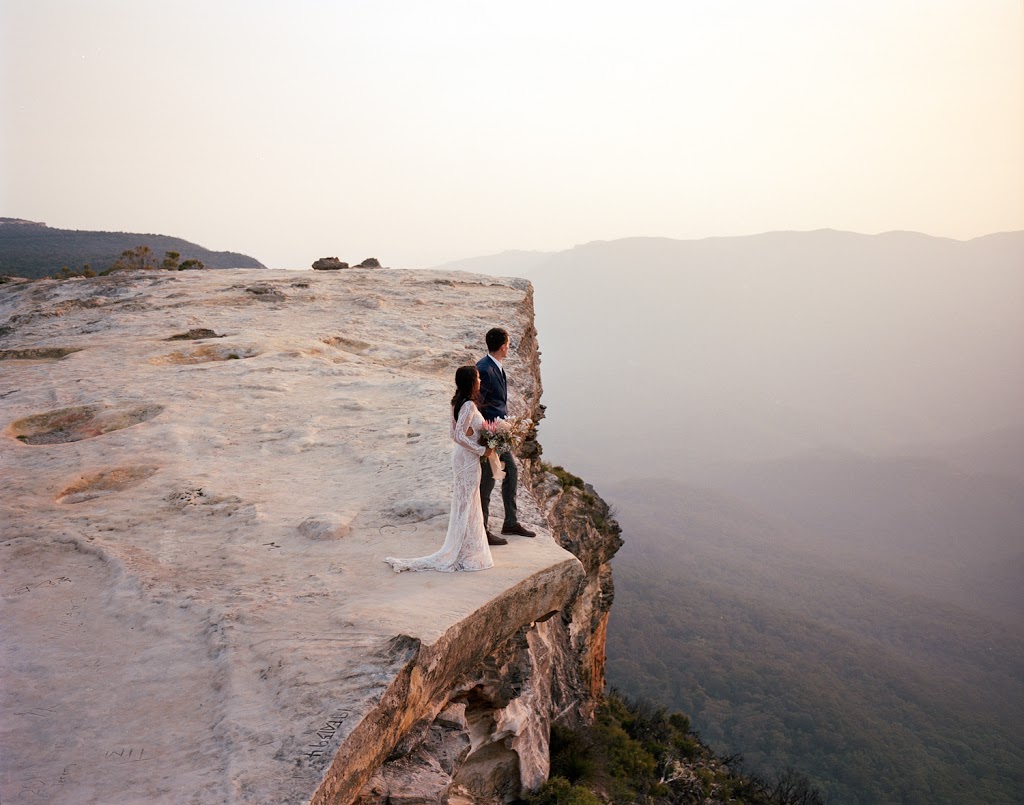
x,y
504,435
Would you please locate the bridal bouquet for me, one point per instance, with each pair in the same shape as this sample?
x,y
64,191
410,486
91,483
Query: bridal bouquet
x,y
503,436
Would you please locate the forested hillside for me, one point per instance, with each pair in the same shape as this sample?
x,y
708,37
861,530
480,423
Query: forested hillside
x,y
879,695
29,249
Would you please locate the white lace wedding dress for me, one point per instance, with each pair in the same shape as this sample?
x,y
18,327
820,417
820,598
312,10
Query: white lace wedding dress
x,y
465,547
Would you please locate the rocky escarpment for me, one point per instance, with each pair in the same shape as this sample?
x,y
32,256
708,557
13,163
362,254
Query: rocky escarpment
x,y
203,473
488,741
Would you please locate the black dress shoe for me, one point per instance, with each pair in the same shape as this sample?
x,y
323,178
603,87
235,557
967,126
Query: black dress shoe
x,y
518,530
495,540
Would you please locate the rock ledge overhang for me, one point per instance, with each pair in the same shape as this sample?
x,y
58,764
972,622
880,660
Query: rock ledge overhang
x,y
425,683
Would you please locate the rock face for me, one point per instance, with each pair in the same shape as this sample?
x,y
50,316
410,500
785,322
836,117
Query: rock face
x,y
194,600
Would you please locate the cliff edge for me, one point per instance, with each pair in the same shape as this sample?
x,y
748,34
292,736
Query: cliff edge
x,y
202,475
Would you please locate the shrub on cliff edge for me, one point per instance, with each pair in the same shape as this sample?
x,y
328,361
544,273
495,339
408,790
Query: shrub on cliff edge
x,y
639,752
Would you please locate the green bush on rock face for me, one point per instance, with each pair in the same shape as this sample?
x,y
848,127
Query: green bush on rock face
x,y
559,791
572,754
66,273
565,478
637,751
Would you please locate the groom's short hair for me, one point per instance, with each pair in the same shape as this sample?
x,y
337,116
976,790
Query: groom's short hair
x,y
496,338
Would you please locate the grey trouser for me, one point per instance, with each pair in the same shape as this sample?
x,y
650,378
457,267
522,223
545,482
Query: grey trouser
x,y
508,489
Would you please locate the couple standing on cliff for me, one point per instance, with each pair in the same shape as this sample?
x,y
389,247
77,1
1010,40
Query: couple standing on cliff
x,y
481,394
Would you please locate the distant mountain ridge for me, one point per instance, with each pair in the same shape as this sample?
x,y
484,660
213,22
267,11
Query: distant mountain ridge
x,y
33,249
524,261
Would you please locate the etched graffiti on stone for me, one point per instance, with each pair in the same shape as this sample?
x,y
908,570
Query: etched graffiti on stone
x,y
326,733
392,530
134,755
38,712
31,787
48,583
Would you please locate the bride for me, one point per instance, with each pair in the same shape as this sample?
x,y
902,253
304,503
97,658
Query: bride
x,y
465,546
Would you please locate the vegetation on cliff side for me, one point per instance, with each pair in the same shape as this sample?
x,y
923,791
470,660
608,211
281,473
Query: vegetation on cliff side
x,y
141,258
638,752
578,503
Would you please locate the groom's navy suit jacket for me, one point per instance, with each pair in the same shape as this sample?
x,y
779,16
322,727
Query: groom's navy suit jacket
x,y
493,389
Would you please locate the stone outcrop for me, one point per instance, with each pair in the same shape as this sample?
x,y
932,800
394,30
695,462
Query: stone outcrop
x,y
334,264
194,601
329,264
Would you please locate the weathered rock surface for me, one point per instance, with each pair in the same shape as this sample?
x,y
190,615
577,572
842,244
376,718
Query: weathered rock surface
x,y
194,601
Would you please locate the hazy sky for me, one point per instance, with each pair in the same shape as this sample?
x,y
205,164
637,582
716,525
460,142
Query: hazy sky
x,y
424,132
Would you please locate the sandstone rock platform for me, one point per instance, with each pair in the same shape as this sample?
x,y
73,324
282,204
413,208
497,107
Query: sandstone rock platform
x,y
194,603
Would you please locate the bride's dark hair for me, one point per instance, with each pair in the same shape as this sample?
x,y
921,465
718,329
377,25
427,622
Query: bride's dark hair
x,y
465,388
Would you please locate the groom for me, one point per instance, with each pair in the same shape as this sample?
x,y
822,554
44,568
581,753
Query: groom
x,y
494,404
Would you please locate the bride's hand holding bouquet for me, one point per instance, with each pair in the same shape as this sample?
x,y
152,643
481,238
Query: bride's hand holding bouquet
x,y
503,436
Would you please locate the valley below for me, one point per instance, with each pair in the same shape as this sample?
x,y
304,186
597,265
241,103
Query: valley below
x,y
813,442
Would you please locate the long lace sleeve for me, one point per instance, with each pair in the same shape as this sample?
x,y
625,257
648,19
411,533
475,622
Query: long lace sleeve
x,y
469,416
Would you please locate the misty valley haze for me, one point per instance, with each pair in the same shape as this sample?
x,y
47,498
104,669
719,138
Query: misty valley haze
x,y
815,442
762,347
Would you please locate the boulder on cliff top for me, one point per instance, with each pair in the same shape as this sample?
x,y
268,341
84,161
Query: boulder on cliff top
x,y
332,525
329,264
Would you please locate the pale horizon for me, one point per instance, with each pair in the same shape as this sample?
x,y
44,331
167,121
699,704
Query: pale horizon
x,y
427,135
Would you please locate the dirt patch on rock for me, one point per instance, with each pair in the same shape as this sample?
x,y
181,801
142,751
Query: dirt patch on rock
x,y
266,292
105,482
37,353
353,345
195,334
80,422
205,354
